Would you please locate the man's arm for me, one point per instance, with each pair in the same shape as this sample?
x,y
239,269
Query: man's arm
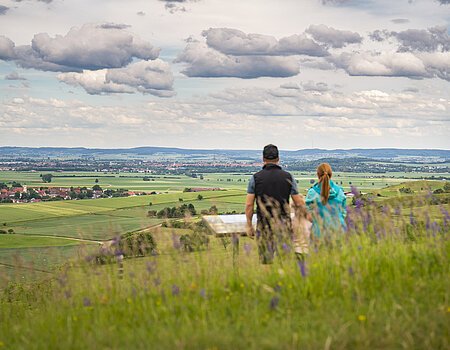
x,y
249,210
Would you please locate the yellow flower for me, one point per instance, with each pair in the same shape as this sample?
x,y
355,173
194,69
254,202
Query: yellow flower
x,y
242,285
448,309
362,318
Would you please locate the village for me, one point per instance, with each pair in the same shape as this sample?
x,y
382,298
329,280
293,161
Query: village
x,y
18,193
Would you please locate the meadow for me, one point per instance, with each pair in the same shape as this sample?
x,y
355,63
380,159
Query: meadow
x,y
382,284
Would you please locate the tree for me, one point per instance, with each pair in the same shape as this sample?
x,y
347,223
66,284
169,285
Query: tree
x,y
47,178
96,181
199,197
447,186
180,199
96,188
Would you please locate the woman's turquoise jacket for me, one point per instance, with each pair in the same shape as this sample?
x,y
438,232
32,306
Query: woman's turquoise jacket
x,y
331,216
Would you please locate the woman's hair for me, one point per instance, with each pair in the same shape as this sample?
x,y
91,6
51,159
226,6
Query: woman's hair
x,y
324,174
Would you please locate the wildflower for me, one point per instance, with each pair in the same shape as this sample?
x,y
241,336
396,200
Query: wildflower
x,y
286,247
157,281
302,266
176,241
247,248
359,203
274,302
175,290
86,302
151,266
412,220
350,271
68,294
235,240
277,288
203,293
362,318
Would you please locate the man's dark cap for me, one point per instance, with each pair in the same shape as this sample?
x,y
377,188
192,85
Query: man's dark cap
x,y
270,152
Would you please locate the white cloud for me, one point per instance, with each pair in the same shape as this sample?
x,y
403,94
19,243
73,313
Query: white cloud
x,y
235,42
152,77
203,61
333,37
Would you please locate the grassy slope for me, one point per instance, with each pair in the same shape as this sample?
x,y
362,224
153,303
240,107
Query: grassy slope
x,y
395,296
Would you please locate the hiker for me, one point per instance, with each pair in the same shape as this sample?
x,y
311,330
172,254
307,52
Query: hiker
x,y
326,202
271,188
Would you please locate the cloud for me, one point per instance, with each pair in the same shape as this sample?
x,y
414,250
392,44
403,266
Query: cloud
x,y
444,2
388,64
333,37
235,42
140,13
148,77
3,10
428,40
89,47
400,20
6,48
114,26
14,76
176,5
46,1
226,116
203,61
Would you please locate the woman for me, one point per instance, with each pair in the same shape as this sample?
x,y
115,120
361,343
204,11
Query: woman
x,y
327,203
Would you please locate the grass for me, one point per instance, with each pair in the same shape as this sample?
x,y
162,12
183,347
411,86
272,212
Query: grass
x,y
384,284
21,241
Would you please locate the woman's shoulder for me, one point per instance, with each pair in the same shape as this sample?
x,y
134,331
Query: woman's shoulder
x,y
312,194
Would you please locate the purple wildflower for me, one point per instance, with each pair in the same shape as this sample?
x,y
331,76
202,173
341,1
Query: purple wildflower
x,y
350,271
86,302
203,293
176,241
68,294
157,281
277,288
412,220
274,302
359,203
286,247
175,290
302,266
151,266
247,248
354,190
397,210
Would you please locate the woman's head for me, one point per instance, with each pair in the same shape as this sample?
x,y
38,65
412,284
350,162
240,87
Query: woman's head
x,y
324,174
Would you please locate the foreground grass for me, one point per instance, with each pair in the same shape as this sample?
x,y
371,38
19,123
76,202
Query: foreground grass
x,y
392,293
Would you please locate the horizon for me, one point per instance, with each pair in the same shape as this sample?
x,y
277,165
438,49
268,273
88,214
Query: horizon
x,y
202,74
229,149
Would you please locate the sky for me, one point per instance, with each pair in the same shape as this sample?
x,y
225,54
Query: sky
x,y
233,74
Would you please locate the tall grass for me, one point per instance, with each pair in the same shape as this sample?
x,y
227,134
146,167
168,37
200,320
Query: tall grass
x,y
384,284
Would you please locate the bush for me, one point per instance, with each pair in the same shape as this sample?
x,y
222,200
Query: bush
x,y
11,231
438,191
194,242
137,244
3,232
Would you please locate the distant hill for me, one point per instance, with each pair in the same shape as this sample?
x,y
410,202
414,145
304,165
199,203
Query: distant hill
x,y
304,154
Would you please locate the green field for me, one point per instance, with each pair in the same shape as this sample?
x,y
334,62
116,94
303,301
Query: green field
x,y
56,224
363,292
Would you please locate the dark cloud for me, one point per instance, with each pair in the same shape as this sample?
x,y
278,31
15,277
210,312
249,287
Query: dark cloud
x,y
444,2
335,2
176,5
203,61
379,35
400,20
89,47
14,76
426,40
333,37
3,10
140,13
148,77
235,42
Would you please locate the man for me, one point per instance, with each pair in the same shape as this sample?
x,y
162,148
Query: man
x,y
271,188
